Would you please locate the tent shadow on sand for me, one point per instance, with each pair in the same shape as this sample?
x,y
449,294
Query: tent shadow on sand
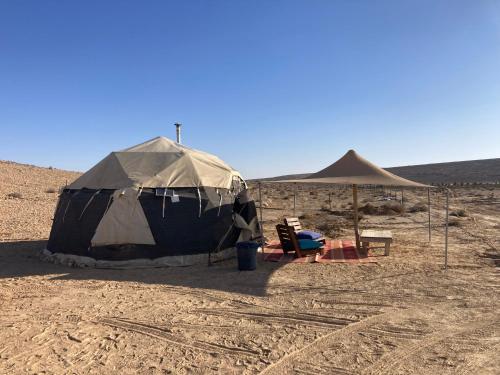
x,y
20,259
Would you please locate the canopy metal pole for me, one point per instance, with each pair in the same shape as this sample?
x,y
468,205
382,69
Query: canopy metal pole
x,y
294,197
355,209
429,210
446,230
260,209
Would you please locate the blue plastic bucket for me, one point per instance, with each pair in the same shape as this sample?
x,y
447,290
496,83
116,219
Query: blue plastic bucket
x,y
247,255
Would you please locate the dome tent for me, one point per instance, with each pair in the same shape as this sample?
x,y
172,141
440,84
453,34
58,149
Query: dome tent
x,y
158,200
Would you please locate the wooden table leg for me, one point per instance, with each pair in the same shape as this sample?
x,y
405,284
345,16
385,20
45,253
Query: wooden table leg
x,y
365,247
387,248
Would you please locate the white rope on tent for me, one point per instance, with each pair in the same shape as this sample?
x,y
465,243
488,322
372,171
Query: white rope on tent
x,y
139,192
199,200
109,204
220,202
88,203
66,210
163,205
67,206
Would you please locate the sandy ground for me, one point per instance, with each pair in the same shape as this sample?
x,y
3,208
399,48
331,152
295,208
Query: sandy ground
x,y
404,314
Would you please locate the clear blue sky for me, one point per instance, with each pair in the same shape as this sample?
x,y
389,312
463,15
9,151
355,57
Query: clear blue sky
x,y
272,87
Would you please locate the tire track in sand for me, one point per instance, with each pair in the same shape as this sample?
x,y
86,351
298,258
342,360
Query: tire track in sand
x,y
287,317
286,362
399,356
473,363
166,335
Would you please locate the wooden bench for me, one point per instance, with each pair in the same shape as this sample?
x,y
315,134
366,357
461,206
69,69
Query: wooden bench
x,y
377,236
297,227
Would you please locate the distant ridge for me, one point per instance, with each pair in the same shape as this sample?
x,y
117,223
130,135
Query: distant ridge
x,y
284,177
483,171
15,163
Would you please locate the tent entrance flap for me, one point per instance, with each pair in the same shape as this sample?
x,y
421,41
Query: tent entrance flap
x,y
124,222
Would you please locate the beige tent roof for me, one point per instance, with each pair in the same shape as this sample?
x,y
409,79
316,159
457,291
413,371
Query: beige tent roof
x,y
159,162
354,169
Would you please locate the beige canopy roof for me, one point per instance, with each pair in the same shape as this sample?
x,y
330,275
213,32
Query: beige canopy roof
x,y
159,162
354,169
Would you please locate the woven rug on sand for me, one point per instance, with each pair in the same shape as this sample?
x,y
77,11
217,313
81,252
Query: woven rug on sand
x,y
335,251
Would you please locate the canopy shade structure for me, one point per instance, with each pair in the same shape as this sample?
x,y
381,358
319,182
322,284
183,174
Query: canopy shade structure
x,y
159,162
352,169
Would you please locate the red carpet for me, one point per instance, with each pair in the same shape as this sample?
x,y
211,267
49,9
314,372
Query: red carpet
x,y
335,251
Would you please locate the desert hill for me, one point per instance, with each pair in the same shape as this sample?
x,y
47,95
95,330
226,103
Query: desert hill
x,y
28,196
483,171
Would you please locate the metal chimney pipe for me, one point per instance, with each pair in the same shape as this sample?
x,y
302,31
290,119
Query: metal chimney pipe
x,y
178,131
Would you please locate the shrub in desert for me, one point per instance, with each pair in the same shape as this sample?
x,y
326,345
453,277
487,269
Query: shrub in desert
x,y
369,209
455,222
336,212
349,215
458,213
323,227
332,211
418,207
15,195
330,229
391,208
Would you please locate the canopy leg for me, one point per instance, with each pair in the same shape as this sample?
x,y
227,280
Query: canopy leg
x,y
294,197
355,209
260,211
429,210
446,230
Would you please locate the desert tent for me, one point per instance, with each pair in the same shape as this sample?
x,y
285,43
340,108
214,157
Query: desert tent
x,y
158,200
